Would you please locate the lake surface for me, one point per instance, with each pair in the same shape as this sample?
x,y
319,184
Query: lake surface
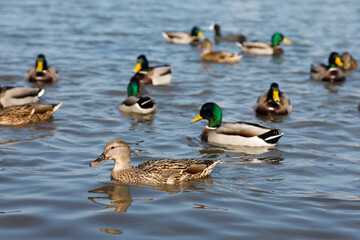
x,y
307,187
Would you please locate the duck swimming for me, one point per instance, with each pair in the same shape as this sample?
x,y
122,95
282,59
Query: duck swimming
x,y
228,37
329,73
348,61
152,172
135,103
184,37
41,72
217,56
28,113
236,134
261,48
10,96
158,75
273,102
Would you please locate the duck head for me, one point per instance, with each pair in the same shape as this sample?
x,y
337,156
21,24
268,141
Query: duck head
x,y
133,87
274,93
212,112
206,45
335,60
277,38
141,64
196,32
119,151
40,63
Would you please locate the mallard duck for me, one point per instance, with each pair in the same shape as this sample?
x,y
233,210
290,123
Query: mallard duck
x,y
152,172
228,37
330,73
135,103
159,75
41,71
184,37
19,95
28,113
236,134
273,102
348,61
261,48
218,56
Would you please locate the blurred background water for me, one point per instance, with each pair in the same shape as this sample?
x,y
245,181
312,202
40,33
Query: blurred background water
x,y
307,187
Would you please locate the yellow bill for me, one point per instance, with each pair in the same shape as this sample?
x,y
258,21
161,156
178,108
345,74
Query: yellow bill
x,y
196,119
39,66
338,62
201,35
137,67
285,40
276,97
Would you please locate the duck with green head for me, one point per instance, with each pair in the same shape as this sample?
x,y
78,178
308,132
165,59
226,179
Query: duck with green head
x,y
329,73
235,134
41,72
135,103
184,37
158,75
273,102
261,48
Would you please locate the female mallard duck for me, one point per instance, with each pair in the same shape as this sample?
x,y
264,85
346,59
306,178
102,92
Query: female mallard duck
x,y
29,113
41,72
218,56
239,133
184,37
228,37
19,95
330,73
159,75
348,61
152,172
273,102
135,104
261,48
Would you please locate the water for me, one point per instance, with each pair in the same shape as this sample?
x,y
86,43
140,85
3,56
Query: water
x,y
307,187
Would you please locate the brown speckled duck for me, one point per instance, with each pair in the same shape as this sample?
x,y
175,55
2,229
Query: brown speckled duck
x,y
28,113
10,96
217,56
273,102
329,73
152,172
41,72
349,62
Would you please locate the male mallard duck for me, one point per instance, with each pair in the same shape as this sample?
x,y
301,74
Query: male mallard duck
x,y
159,75
273,102
41,71
152,172
349,62
28,113
261,48
184,37
330,73
228,37
218,56
135,104
239,133
19,95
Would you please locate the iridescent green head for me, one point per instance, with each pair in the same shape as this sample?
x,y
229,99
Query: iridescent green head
x,y
196,32
335,60
133,87
212,112
277,38
141,64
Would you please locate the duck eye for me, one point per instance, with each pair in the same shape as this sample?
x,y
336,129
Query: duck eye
x,y
112,148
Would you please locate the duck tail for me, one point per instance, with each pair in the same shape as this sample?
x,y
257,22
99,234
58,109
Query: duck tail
x,y
272,136
41,92
57,106
239,44
165,36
